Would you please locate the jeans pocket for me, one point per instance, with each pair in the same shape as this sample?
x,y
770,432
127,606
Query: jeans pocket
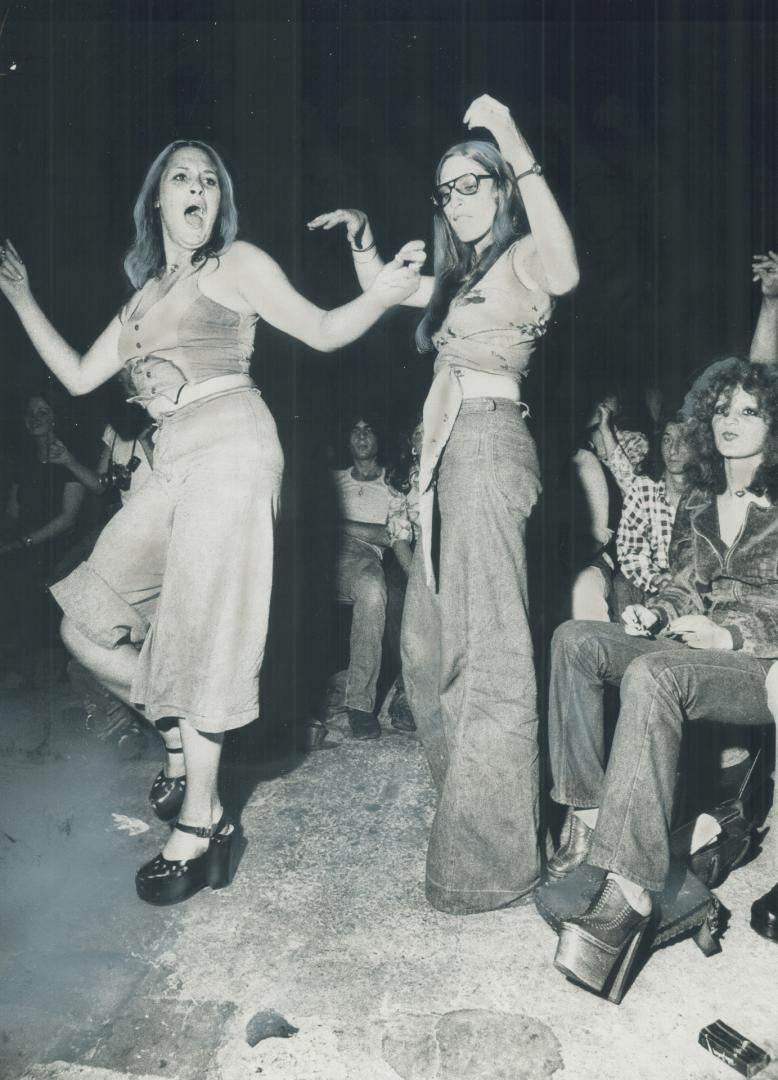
x,y
515,471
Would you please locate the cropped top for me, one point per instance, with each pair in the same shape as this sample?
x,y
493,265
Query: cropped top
x,y
492,327
182,339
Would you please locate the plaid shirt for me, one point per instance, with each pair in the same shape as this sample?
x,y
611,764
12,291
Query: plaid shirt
x,y
643,539
628,454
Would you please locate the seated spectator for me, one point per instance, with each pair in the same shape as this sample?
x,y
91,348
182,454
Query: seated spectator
x,y
127,454
592,581
646,524
403,477
372,518
697,651
619,449
41,514
585,502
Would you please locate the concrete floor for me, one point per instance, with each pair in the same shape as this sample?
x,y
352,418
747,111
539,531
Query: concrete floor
x,y
326,925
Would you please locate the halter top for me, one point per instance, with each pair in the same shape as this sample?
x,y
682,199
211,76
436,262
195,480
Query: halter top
x,y
183,338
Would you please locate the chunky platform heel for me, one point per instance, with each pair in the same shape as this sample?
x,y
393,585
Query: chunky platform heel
x,y
224,854
164,881
167,792
598,948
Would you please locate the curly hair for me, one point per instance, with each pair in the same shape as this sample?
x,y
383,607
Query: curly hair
x,y
706,470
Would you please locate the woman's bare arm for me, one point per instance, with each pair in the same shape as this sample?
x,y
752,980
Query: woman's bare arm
x,y
78,374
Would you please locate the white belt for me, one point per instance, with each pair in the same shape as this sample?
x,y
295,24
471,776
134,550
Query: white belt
x,y
190,392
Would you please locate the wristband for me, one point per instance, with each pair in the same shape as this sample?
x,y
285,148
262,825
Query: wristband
x,y
533,170
369,246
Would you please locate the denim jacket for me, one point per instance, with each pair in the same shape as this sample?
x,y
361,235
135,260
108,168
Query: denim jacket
x,y
736,586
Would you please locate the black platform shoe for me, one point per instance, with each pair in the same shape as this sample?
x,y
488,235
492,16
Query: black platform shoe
x,y
169,881
764,914
167,792
574,844
598,948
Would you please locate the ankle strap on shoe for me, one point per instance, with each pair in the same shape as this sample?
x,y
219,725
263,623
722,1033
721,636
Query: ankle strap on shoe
x,y
205,833
195,830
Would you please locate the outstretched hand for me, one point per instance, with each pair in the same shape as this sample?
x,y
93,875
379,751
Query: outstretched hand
x,y
13,275
399,278
355,221
765,271
413,254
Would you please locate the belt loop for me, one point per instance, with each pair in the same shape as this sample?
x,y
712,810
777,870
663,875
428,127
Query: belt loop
x,y
523,409
490,404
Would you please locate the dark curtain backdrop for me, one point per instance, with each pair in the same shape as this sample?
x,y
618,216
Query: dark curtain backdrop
x,y
655,124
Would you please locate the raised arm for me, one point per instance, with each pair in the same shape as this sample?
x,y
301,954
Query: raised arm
x,y
595,491
78,374
367,262
764,346
266,290
556,266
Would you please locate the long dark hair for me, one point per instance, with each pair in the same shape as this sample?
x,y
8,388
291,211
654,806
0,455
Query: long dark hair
x,y
653,465
348,420
146,256
706,471
456,265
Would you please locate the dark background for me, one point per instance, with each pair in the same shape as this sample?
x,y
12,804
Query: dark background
x,y
655,124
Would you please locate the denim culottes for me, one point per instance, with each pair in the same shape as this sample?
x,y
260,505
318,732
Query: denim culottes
x,y
183,571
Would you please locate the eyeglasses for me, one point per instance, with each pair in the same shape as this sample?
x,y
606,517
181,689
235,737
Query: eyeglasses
x,y
466,184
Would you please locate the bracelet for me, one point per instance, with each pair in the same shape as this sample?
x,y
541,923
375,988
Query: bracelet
x,y
369,246
534,170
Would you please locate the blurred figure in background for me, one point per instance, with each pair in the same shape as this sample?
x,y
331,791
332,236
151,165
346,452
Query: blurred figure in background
x,y
41,513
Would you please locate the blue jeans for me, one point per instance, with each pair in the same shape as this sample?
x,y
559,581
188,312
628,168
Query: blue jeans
x,y
663,684
469,670
360,579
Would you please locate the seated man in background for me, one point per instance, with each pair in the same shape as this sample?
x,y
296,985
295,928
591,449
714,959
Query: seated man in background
x,y
365,503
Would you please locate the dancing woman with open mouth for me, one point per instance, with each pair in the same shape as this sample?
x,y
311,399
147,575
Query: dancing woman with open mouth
x,y
170,611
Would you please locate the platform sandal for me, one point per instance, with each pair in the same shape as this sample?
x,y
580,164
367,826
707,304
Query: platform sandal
x,y
164,881
167,792
598,948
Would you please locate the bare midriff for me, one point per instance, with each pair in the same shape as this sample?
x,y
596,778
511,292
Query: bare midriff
x,y
476,384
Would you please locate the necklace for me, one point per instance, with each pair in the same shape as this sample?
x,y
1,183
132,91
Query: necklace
x,y
172,268
362,480
739,493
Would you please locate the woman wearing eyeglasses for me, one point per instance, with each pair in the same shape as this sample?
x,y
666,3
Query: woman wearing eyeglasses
x,y
170,610
467,649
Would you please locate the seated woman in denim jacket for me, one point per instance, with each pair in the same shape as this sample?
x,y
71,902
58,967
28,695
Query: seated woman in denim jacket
x,y
700,651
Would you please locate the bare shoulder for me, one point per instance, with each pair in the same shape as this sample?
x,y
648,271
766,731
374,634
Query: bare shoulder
x,y
243,257
526,264
242,277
